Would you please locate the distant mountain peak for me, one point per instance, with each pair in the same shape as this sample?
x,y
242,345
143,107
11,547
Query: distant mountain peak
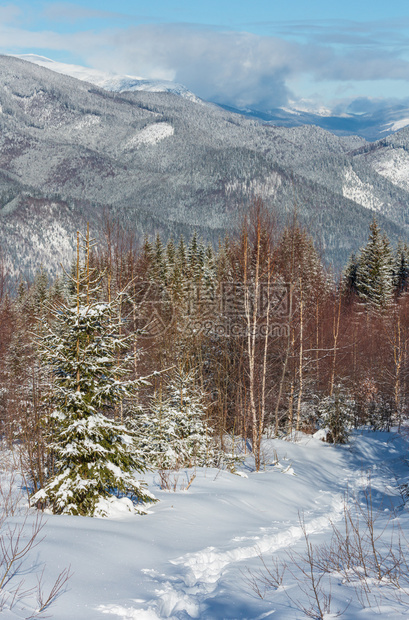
x,y
110,81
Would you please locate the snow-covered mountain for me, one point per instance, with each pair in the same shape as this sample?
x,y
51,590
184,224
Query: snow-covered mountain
x,y
110,81
71,151
371,126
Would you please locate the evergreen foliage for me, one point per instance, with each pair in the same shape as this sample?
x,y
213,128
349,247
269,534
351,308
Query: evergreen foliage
x,y
174,432
374,278
350,275
401,268
336,415
299,261
93,455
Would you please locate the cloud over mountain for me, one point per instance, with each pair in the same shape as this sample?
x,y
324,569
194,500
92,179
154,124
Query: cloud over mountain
x,y
238,68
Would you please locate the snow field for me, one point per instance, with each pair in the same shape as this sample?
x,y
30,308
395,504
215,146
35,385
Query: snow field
x,y
152,134
394,165
203,570
188,557
360,192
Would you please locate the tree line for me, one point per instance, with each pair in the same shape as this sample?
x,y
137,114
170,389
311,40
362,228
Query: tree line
x,y
166,355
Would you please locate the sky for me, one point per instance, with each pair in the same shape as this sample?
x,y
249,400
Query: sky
x,y
261,54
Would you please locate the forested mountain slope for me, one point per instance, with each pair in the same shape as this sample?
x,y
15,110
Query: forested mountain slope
x,y
371,125
70,152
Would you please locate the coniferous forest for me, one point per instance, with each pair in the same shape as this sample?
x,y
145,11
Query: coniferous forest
x,y
166,355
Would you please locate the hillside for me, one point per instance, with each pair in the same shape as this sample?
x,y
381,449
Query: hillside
x,y
372,125
70,151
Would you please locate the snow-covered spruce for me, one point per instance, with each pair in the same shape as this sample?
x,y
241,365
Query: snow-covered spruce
x,y
92,456
174,432
374,275
336,415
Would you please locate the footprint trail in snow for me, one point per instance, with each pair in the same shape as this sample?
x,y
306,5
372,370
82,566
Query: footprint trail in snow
x,y
184,595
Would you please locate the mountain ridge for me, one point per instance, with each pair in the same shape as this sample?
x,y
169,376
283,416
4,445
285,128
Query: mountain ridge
x,y
71,152
370,125
110,81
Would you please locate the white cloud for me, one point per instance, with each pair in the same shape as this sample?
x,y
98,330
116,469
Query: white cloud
x,y
17,39
237,68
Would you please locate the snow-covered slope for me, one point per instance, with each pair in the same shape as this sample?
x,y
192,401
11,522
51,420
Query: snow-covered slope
x,y
396,125
110,81
393,164
360,192
163,163
189,557
152,134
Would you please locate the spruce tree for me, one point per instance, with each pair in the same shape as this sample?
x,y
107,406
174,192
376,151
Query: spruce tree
x,y
40,290
170,253
181,254
374,274
336,414
158,270
94,457
147,256
174,432
401,268
299,262
350,275
193,258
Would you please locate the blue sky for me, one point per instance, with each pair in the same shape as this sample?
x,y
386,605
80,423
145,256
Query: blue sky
x,y
262,54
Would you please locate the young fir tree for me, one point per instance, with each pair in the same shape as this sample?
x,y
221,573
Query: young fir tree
x,y
336,414
158,271
39,290
350,276
181,254
146,257
174,432
193,258
94,457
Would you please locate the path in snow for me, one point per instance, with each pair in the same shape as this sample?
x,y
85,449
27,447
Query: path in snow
x,y
195,587
184,595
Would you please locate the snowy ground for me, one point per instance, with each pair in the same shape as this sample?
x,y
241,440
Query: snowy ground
x,y
189,557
